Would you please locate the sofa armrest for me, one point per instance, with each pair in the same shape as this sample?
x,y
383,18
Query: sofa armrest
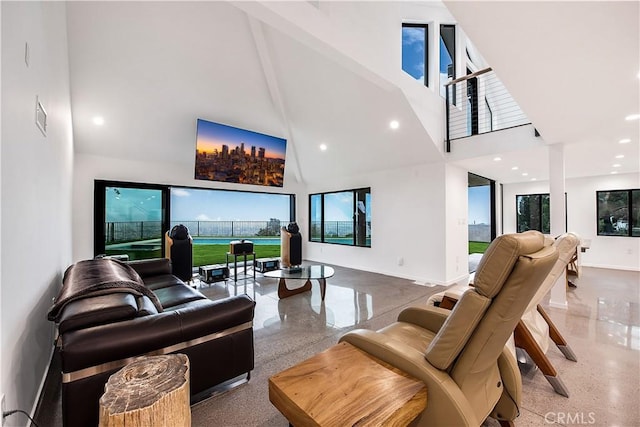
x,y
98,310
428,317
202,319
151,267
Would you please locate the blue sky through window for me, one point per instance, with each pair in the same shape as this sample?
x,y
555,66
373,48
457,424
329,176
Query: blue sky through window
x,y
188,204
132,204
445,61
480,205
413,48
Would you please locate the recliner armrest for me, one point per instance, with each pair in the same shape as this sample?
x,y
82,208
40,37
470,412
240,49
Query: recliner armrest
x,y
445,399
430,318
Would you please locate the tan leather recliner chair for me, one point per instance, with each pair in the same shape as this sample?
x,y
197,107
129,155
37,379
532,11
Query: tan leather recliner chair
x,y
460,354
534,333
536,330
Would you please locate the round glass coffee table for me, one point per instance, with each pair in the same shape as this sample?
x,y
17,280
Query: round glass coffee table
x,y
310,272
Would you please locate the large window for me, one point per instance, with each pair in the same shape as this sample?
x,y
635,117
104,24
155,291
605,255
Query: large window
x,y
341,217
415,59
481,223
533,213
619,213
131,219
447,58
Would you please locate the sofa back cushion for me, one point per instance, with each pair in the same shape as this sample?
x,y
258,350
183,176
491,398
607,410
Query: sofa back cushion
x,y
151,267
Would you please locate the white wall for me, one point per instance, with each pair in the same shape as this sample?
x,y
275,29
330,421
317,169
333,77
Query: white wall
x,y
36,193
605,251
88,168
408,221
456,220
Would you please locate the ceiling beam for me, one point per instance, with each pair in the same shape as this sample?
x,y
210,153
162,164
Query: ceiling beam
x,y
264,54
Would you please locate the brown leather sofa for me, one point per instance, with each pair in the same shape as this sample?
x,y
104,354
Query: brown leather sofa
x,y
109,313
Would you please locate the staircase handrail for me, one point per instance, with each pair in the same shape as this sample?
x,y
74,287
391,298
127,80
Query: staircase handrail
x,y
469,76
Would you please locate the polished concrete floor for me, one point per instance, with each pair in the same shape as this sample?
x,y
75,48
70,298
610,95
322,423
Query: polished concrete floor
x,y
602,325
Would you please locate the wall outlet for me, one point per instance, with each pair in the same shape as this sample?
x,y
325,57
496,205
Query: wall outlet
x,y
3,409
400,261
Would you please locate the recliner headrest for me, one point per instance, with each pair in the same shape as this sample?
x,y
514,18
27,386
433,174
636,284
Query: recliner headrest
x,y
500,257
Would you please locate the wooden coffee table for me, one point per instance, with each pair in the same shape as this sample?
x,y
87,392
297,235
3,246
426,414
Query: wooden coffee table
x,y
344,386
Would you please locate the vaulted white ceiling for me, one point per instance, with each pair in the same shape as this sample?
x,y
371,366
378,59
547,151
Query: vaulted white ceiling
x,y
152,68
574,69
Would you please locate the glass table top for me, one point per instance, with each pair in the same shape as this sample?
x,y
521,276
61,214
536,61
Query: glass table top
x,y
306,272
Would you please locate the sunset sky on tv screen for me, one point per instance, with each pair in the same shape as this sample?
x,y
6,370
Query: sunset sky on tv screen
x,y
228,154
212,136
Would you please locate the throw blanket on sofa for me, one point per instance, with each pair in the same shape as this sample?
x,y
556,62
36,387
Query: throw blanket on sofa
x,y
95,277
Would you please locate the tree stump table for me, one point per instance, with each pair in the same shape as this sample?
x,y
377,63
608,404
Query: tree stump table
x,y
151,391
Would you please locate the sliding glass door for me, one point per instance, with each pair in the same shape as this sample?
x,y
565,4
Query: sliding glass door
x,y
133,220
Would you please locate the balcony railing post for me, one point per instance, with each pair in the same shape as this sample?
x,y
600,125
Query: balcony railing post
x,y
446,106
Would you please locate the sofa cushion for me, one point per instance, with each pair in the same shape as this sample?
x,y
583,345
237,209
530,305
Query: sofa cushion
x,y
151,267
162,281
178,294
98,310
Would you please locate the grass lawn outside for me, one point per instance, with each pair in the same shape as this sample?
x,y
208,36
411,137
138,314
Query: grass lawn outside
x,y
217,254
202,254
478,247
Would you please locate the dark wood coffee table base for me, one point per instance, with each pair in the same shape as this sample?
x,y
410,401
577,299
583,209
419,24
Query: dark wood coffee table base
x,y
284,292
307,273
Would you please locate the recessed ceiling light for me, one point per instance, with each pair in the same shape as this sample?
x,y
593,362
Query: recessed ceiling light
x,y
497,159
632,117
620,156
616,165
323,147
533,179
97,120
394,124
525,174
515,168
624,141
614,172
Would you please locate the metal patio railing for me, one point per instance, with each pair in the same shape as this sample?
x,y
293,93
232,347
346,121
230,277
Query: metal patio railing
x,y
479,103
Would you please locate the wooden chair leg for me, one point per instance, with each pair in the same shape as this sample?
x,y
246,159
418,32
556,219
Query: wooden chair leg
x,y
523,339
556,337
447,302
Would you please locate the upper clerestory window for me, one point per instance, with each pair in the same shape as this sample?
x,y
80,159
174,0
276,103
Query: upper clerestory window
x,y
415,51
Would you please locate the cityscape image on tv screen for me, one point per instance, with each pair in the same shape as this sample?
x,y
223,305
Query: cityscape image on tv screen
x,y
228,154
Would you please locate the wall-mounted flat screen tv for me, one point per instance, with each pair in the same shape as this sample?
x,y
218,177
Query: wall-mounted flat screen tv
x,y
229,154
